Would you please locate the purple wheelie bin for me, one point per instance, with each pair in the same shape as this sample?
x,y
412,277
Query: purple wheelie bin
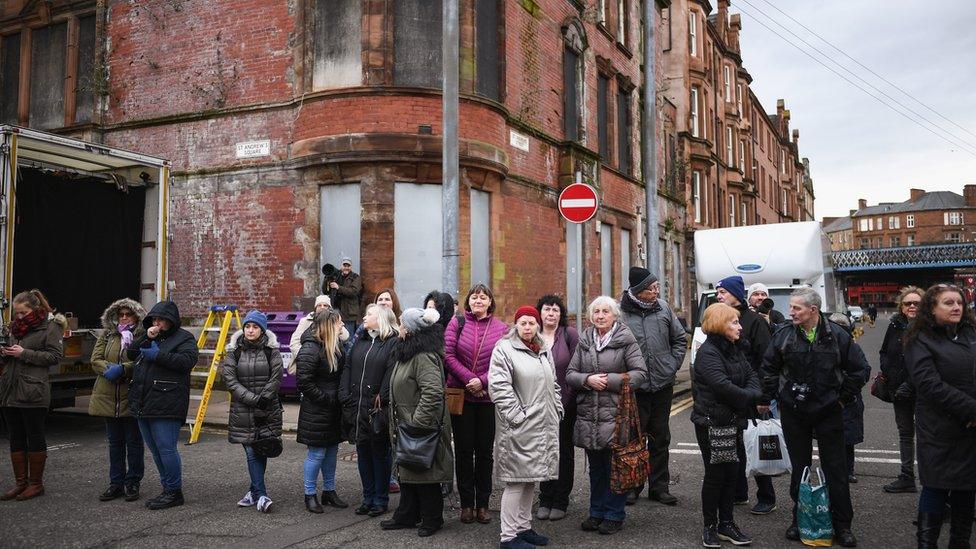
x,y
283,324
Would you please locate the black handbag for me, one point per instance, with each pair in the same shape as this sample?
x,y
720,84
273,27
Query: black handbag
x,y
266,443
723,444
379,423
416,446
880,388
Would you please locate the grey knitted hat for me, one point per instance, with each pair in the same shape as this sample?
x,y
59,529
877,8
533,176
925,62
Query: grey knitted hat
x,y
414,319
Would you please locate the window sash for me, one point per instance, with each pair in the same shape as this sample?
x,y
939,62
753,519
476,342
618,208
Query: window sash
x,y
694,112
693,32
696,195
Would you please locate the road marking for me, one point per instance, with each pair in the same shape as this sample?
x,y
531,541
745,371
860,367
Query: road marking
x,y
695,452
681,406
65,446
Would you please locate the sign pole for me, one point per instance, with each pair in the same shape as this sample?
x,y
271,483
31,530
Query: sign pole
x,y
580,306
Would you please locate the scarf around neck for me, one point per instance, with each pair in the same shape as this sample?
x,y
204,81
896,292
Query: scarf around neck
x,y
652,307
20,326
125,330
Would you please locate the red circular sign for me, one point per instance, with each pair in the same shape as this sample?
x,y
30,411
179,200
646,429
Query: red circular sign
x,y
578,203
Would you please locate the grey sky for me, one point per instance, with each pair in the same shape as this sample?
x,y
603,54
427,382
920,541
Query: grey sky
x,y
859,148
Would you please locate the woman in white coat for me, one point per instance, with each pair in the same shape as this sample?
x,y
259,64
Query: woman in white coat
x,y
522,384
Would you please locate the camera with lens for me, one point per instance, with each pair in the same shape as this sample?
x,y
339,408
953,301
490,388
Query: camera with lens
x,y
766,306
330,274
800,392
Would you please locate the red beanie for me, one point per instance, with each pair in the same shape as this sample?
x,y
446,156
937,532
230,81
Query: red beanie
x,y
530,311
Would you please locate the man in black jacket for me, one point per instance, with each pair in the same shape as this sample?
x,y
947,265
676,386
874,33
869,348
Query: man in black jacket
x,y
753,342
758,293
813,369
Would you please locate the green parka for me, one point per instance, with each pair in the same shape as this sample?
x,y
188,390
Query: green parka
x,y
111,398
24,382
417,398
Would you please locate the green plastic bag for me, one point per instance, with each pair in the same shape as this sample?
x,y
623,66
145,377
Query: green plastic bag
x,y
813,512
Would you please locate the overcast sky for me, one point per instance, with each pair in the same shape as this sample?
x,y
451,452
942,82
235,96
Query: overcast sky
x,y
859,148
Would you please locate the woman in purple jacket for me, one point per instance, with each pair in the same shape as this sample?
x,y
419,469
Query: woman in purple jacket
x,y
468,343
561,339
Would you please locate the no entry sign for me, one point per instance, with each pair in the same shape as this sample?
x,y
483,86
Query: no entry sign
x,y
577,203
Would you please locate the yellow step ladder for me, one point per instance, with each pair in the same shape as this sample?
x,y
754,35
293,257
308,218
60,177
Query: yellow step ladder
x,y
228,313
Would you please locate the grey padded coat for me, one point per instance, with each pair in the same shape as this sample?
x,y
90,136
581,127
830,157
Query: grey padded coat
x,y
248,378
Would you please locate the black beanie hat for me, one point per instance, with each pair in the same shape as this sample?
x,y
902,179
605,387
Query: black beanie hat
x,y
640,278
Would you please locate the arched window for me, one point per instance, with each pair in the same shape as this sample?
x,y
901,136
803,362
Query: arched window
x,y
574,44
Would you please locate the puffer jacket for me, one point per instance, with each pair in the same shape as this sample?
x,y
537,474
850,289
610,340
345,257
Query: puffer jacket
x,y
160,388
833,367
111,398
366,375
892,352
755,338
943,372
320,415
25,382
528,408
248,377
724,386
467,351
417,398
662,340
596,410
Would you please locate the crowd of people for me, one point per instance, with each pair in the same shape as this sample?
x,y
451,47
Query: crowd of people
x,y
451,395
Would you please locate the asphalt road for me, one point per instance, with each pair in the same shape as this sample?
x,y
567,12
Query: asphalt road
x,y
215,477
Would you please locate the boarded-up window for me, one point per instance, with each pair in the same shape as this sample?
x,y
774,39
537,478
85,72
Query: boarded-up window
x,y
47,77
480,237
488,48
417,44
417,240
87,79
340,221
602,116
571,94
338,44
624,131
9,78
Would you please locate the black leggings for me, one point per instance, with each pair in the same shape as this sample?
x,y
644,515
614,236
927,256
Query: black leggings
x,y
26,426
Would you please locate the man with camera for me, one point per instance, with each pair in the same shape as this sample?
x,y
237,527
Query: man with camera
x,y
760,302
813,369
753,342
345,289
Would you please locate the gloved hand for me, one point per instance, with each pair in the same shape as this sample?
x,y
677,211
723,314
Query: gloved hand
x,y
150,353
904,392
113,372
263,403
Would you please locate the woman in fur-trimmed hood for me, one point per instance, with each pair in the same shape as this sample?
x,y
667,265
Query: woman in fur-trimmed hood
x,y
121,323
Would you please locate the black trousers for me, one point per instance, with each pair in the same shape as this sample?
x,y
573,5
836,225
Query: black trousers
x,y
905,421
26,426
420,503
474,441
554,494
798,429
655,415
765,493
719,484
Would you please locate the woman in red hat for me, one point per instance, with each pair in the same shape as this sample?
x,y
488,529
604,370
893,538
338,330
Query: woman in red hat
x,y
528,408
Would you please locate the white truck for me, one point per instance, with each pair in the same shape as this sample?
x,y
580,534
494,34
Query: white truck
x,y
783,256
86,224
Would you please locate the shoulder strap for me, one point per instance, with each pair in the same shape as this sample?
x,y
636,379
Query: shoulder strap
x,y
460,324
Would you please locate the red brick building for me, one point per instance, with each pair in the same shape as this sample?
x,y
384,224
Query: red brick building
x,y
742,164
304,131
934,217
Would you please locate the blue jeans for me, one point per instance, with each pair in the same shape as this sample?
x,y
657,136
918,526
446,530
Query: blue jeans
x,y
256,466
374,472
604,504
161,436
320,459
124,445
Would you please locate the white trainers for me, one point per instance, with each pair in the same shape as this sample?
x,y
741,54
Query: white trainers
x,y
246,501
264,504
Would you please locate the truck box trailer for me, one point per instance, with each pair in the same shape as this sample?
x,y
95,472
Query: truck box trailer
x,y
783,256
85,224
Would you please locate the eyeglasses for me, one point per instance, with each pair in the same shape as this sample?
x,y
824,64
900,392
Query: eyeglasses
x,y
910,303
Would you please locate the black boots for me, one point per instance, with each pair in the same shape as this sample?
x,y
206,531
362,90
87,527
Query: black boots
x,y
312,504
166,500
961,527
331,498
929,527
